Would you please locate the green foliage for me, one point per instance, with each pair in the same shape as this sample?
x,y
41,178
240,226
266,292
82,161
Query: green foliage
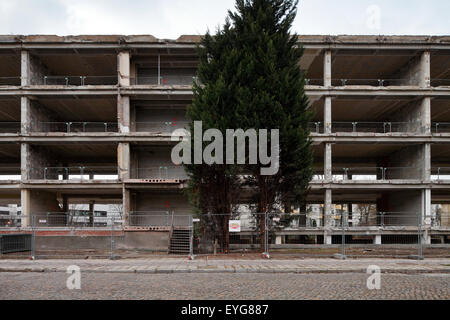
x,y
249,77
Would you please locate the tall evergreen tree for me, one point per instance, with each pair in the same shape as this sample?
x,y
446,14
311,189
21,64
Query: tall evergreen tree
x,y
251,79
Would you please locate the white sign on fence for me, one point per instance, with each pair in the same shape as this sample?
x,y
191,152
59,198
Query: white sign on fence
x,y
234,225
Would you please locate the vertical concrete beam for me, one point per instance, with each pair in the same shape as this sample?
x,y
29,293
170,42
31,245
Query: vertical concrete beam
x,y
25,199
377,239
328,174
425,114
126,200
425,67
123,68
123,113
327,120
123,154
25,115
25,69
25,162
327,208
426,207
327,68
426,162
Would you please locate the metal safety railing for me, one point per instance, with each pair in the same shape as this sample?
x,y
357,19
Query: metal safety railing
x,y
161,126
440,127
162,172
165,80
377,173
440,173
80,80
382,127
78,126
74,173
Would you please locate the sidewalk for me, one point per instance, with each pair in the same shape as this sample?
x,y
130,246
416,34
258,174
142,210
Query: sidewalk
x,y
182,265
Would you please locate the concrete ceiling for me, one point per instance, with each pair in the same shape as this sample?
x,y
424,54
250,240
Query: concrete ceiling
x,y
367,108
440,67
347,64
9,65
94,154
75,108
440,110
80,64
10,153
10,109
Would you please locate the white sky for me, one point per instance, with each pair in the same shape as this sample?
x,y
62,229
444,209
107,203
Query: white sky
x,y
172,18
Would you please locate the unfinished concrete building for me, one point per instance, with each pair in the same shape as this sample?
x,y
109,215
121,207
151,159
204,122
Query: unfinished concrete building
x,y
87,120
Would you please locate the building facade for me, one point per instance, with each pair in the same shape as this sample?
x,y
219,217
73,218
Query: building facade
x,y
86,120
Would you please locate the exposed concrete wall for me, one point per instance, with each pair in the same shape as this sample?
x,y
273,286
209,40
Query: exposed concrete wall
x,y
155,241
32,70
327,115
416,72
123,113
402,207
328,162
123,68
34,160
42,202
157,203
123,154
416,115
408,163
158,120
327,69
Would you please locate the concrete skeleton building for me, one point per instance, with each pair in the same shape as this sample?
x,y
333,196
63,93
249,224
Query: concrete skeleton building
x,y
87,120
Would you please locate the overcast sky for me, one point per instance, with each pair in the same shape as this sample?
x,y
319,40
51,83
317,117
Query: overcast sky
x,y
172,18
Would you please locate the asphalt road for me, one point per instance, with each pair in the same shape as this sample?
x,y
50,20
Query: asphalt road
x,y
32,285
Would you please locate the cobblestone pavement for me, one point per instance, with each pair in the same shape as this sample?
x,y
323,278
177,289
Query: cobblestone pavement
x,y
223,286
183,265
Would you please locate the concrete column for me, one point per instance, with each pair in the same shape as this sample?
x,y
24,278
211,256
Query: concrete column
x,y
25,115
327,68
328,174
123,113
425,114
126,194
327,119
427,162
25,68
25,199
377,239
123,155
91,212
123,68
278,240
327,208
425,79
327,239
25,163
426,207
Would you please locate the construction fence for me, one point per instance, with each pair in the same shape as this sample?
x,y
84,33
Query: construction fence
x,y
311,234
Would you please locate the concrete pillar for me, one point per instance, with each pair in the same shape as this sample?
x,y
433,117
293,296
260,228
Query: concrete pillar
x,y
123,155
328,174
123,68
377,239
123,113
425,114
425,63
426,207
327,208
25,199
327,119
91,213
327,69
278,240
25,68
327,239
25,163
426,162
126,198
25,115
